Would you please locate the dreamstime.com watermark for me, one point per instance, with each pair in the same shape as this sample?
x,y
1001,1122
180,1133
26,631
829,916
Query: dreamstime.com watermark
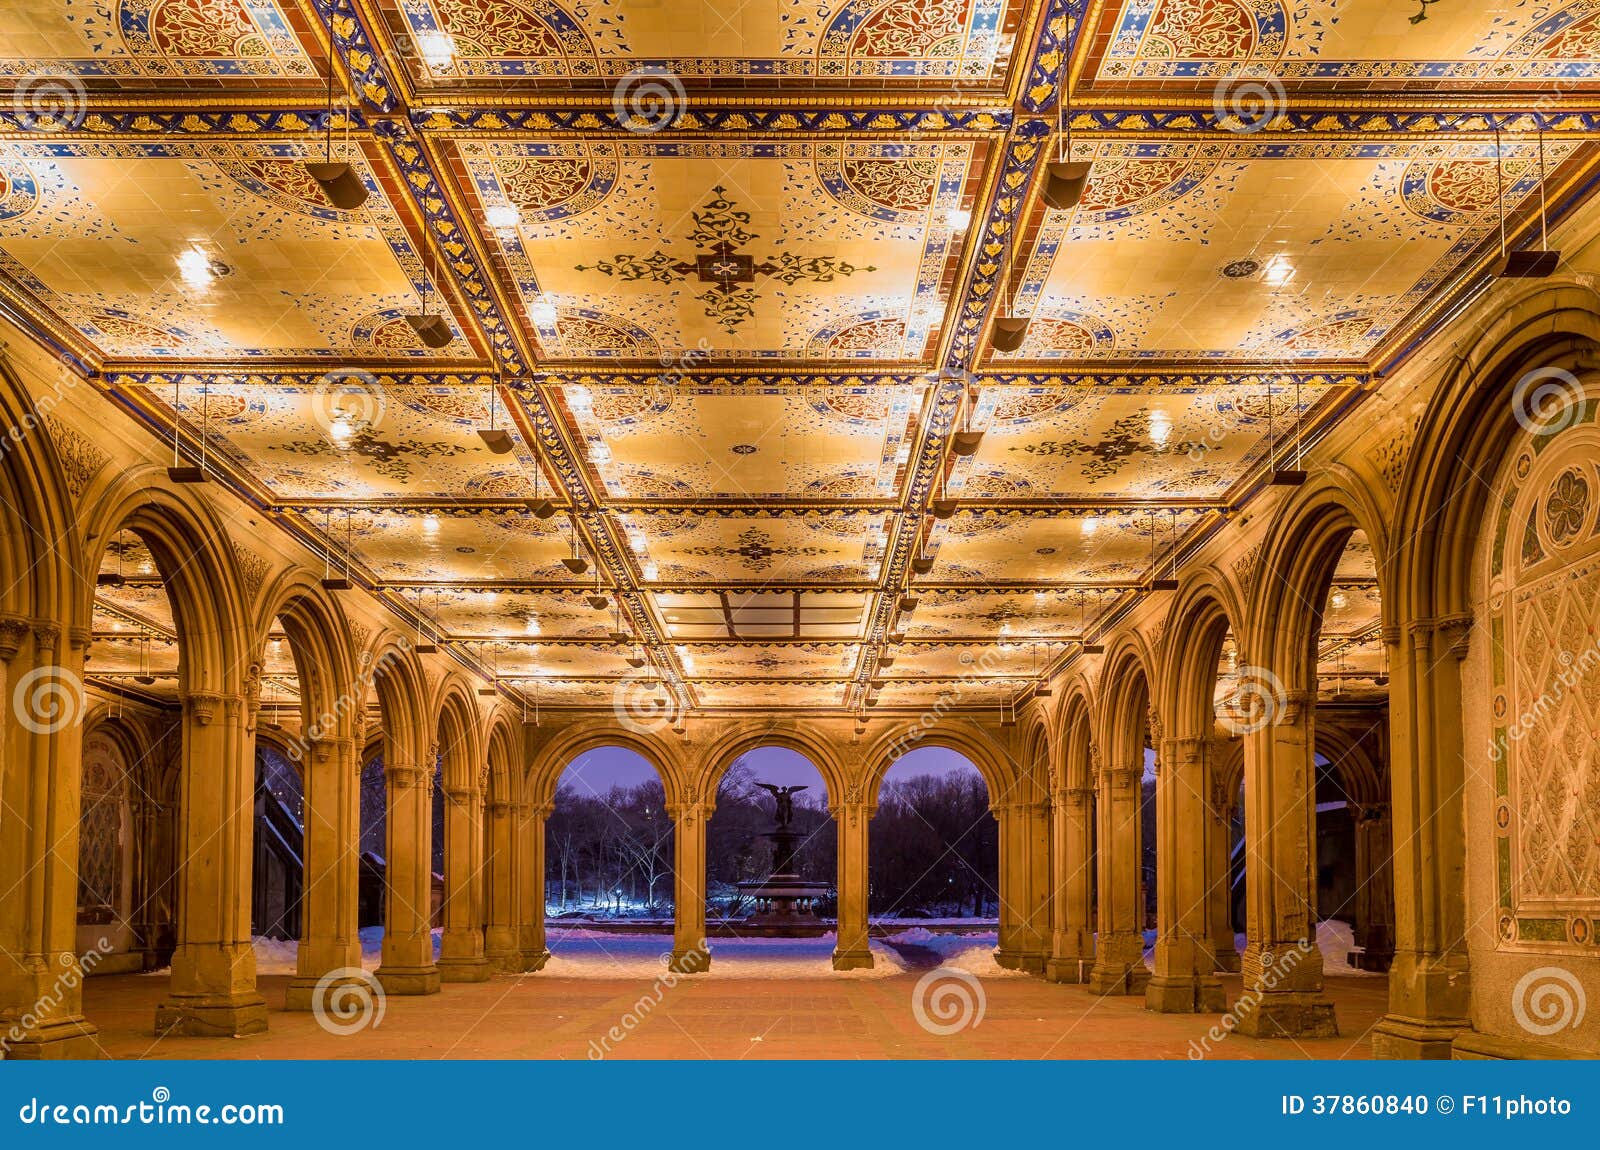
x,y
1574,668
158,1110
947,1000
48,699
1254,700
73,972
1548,1000
351,701
649,99
635,1016
348,1000
1273,971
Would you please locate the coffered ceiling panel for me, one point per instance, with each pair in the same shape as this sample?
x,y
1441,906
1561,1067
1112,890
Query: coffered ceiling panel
x,y
763,693
139,44
1177,438
197,249
954,694
986,660
530,659
980,547
689,445
833,41
769,660
455,544
346,435
1017,614
656,250
1250,248
1351,43
465,612
750,548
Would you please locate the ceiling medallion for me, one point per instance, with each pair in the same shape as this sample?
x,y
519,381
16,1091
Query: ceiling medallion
x,y
1045,551
1241,269
744,449
719,233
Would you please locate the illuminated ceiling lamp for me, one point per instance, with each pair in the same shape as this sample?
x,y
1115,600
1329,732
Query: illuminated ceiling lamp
x,y
922,564
335,579
337,179
181,472
1529,263
1064,180
1009,330
966,441
1170,581
539,506
433,329
424,644
144,677
113,578
575,562
496,439
492,689
944,506
1286,476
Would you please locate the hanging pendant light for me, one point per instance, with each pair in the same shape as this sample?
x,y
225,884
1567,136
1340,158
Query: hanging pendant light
x,y
494,673
575,562
424,644
1170,583
496,439
337,179
1064,180
112,578
966,441
181,472
433,329
1528,263
943,507
1284,476
1009,330
334,579
144,677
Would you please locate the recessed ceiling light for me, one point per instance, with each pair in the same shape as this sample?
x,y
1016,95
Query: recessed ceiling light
x,y
502,216
1339,600
958,219
198,270
543,311
1160,427
430,524
438,49
1090,525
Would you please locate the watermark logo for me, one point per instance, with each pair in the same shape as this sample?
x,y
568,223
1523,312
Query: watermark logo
x,y
1248,101
948,1001
47,102
1547,1000
347,402
347,1000
643,704
649,99
48,699
1547,400
1254,700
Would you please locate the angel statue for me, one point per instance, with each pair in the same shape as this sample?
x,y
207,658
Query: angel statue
x,y
785,797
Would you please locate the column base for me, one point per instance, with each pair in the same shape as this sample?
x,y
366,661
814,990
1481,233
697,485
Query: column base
x,y
1118,978
504,961
304,993
534,960
693,961
1189,994
1027,961
1398,1037
58,1041
1294,1014
205,1016
852,960
409,980
1068,969
1227,961
465,969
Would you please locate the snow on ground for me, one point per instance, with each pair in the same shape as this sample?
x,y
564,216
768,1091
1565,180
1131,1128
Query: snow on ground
x,y
598,954
1336,939
973,953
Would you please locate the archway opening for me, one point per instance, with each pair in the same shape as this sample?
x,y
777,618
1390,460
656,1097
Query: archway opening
x,y
609,845
934,861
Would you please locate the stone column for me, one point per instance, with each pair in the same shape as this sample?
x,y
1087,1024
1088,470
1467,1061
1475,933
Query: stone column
x,y
407,966
1282,965
1119,950
530,819
213,988
330,911
41,982
853,819
1185,979
1374,900
689,951
461,957
1430,980
1024,886
1224,947
1072,940
502,941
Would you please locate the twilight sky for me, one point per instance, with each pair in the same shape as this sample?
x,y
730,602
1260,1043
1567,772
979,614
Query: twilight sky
x,y
605,767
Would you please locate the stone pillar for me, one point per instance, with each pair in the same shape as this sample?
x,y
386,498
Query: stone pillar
x,y
690,954
407,966
1185,979
1374,901
1024,885
1282,965
853,819
1220,879
461,957
41,982
1119,950
530,819
1430,980
213,989
1072,940
330,911
502,943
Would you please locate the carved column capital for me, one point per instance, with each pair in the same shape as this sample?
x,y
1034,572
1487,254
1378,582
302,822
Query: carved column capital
x,y
13,629
201,706
403,775
1455,632
46,635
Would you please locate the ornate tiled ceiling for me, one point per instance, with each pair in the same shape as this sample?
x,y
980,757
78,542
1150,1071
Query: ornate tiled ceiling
x,y
725,276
